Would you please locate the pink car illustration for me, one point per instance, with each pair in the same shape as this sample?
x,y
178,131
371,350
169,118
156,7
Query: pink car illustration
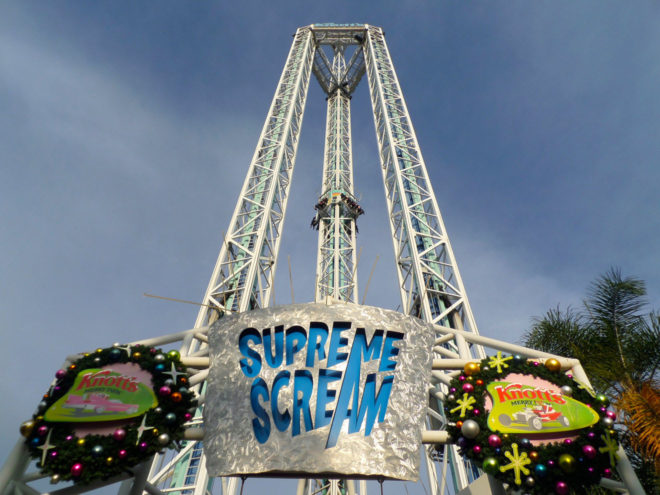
x,y
99,403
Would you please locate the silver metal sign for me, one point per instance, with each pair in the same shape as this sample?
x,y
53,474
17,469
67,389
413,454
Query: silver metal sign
x,y
338,390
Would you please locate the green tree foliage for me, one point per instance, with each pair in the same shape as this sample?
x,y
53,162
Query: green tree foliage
x,y
618,344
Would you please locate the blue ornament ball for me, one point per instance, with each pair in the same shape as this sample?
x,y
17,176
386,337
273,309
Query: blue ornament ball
x,y
525,443
170,418
518,358
35,441
541,470
159,367
115,354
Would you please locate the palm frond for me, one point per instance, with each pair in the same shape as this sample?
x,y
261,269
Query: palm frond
x,y
641,405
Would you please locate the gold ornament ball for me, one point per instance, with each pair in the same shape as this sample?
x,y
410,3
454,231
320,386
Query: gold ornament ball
x,y
534,455
39,419
567,463
99,350
155,432
472,369
109,460
26,428
137,355
553,365
80,442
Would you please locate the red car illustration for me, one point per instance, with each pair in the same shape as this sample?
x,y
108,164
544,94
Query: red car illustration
x,y
99,403
535,417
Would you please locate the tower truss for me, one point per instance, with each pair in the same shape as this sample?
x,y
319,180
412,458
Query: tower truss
x,y
429,282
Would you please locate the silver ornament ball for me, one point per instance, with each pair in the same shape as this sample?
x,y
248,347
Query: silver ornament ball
x,y
608,422
163,439
567,390
529,481
55,479
470,429
159,358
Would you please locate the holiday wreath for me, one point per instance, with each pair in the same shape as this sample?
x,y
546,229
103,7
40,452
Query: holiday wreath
x,y
108,411
531,426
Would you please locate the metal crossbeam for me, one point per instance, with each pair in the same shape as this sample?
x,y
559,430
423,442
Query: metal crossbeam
x,y
429,282
335,217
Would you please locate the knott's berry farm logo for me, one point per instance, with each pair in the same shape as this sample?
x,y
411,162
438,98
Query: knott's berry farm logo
x,y
523,404
334,373
114,392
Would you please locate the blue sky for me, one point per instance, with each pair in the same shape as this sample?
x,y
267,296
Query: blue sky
x,y
126,130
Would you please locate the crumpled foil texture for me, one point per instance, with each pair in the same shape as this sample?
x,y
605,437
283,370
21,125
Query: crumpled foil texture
x,y
392,450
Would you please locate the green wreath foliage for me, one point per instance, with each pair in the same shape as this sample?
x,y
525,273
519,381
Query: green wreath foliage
x,y
103,456
551,477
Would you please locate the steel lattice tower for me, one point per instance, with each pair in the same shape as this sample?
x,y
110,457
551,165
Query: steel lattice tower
x,y
427,274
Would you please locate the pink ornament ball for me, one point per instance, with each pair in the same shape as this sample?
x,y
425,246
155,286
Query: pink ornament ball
x,y
551,463
69,438
477,449
603,409
59,374
561,488
187,416
494,441
536,363
607,473
569,375
611,414
452,390
42,430
76,470
53,454
589,451
591,469
122,454
119,434
164,391
461,378
591,435
468,387
568,441
143,446
476,412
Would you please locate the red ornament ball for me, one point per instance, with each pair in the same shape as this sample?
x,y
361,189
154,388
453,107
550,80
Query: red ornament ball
x,y
494,441
76,470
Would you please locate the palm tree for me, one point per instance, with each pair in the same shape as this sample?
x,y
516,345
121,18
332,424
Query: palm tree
x,y
619,348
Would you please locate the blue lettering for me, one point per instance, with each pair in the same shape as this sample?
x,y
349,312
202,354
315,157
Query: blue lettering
x,y
261,429
281,421
318,335
386,364
369,351
325,396
296,338
275,360
372,404
252,365
337,341
350,388
302,393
